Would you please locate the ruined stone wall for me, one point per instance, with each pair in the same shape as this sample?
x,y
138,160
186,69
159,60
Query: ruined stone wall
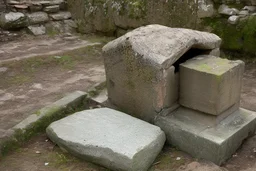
x,y
37,16
233,20
117,16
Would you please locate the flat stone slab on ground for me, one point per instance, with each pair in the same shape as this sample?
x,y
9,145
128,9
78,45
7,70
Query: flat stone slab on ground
x,y
214,143
109,138
210,84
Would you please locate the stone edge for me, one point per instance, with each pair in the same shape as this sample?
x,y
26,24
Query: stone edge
x,y
37,122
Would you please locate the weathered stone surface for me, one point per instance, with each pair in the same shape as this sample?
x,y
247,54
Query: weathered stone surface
x,y
108,16
21,6
61,16
37,30
214,143
44,3
69,26
234,19
243,13
37,17
225,10
250,8
13,20
205,8
52,9
54,27
35,7
109,138
56,2
140,77
210,84
14,2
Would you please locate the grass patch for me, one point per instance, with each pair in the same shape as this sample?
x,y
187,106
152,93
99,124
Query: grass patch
x,y
170,159
23,135
25,71
19,79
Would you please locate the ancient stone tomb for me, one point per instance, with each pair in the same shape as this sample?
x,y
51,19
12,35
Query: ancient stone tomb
x,y
174,78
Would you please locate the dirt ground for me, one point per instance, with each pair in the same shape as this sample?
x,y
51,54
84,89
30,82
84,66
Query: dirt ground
x,y
29,84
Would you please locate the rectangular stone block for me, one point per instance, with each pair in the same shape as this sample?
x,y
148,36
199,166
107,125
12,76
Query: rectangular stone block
x,y
210,84
110,138
216,143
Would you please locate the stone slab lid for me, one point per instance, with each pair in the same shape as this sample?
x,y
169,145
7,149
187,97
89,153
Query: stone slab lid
x,y
164,45
110,138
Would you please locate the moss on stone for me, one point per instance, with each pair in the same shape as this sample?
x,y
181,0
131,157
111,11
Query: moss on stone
x,y
240,37
23,135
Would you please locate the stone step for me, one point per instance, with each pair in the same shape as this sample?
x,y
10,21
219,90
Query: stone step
x,y
110,138
215,143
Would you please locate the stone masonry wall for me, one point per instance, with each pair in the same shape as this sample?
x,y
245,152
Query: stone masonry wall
x,y
38,16
111,16
233,20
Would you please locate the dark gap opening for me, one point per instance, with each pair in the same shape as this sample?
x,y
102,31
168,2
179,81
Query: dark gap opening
x,y
191,53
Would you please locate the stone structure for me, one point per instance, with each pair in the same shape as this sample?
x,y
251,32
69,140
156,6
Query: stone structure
x,y
115,17
109,138
38,16
141,76
145,70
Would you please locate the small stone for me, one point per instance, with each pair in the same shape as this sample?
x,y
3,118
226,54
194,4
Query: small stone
x,y
46,164
37,86
243,13
37,17
45,2
3,69
38,152
178,158
205,9
225,10
57,2
70,23
14,3
52,9
250,8
233,19
35,7
61,16
13,20
37,30
254,150
21,6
